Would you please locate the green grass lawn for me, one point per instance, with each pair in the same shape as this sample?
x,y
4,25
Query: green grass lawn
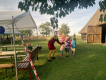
x,y
89,63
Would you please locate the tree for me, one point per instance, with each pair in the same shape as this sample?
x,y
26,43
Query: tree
x,y
27,32
102,5
64,29
45,28
58,8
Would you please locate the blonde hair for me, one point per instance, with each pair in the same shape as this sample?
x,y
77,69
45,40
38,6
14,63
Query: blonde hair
x,y
63,34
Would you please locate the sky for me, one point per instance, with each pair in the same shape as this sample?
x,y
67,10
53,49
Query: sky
x,y
76,20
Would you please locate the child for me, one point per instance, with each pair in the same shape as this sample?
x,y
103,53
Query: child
x,y
29,46
63,37
61,49
73,46
66,49
69,42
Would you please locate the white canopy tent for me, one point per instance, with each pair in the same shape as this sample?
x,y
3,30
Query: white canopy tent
x,y
15,32
23,21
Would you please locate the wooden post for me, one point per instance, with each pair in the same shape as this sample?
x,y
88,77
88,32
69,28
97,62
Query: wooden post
x,y
0,39
87,35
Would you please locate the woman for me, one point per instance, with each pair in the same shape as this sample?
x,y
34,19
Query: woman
x,y
51,45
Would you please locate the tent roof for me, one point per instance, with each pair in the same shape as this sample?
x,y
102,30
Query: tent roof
x,y
16,32
23,20
94,21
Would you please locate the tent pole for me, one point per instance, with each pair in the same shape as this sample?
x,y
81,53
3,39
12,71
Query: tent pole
x,y
0,39
37,36
11,38
15,50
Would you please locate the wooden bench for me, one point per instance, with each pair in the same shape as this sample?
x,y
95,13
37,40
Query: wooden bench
x,y
19,56
6,66
25,64
16,49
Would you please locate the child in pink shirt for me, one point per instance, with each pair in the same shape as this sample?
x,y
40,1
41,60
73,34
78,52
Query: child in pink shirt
x,y
63,37
61,49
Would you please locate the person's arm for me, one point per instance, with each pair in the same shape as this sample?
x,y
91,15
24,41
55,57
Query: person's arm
x,y
51,38
75,42
58,41
60,34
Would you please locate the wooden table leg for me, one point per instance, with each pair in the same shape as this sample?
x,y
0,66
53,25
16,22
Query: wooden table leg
x,y
6,48
5,72
37,59
2,48
11,63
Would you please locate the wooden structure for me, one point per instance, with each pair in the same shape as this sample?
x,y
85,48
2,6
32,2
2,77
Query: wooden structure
x,y
6,66
25,64
94,31
9,46
94,34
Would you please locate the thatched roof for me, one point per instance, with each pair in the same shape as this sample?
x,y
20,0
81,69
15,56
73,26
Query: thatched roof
x,y
94,21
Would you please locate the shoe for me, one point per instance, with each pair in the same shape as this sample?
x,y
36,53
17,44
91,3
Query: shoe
x,y
53,57
58,56
72,52
50,60
67,56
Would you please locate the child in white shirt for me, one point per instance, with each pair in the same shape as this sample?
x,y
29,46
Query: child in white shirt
x,y
61,49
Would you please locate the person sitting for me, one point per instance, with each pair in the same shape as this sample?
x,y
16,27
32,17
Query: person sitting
x,y
29,46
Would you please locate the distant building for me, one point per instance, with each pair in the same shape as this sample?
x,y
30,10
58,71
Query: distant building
x,y
94,31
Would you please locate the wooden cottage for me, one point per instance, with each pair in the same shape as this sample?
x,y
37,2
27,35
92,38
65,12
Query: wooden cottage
x,y
94,31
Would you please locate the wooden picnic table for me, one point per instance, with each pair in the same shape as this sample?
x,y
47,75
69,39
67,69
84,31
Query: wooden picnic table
x,y
10,53
6,66
9,46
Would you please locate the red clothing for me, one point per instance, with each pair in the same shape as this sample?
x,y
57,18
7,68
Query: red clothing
x,y
51,43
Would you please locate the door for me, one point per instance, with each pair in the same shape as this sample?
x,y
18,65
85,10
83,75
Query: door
x,y
94,34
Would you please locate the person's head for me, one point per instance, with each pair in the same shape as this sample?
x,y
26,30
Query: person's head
x,y
74,39
74,35
63,43
66,40
55,33
29,44
70,37
63,34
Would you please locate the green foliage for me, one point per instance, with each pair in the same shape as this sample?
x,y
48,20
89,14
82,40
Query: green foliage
x,y
27,32
64,29
102,5
58,8
45,28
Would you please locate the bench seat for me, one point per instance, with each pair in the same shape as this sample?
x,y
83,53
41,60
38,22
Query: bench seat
x,y
20,56
16,49
6,65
